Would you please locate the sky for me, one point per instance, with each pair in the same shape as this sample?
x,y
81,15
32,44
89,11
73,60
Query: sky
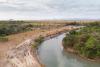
x,y
49,9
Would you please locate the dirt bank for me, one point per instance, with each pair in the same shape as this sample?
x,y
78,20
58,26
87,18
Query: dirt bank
x,y
74,52
21,55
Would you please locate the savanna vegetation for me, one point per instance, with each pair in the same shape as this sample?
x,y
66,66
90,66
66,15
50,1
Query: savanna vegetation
x,y
37,42
12,27
85,41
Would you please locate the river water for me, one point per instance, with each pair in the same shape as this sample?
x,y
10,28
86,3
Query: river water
x,y
52,55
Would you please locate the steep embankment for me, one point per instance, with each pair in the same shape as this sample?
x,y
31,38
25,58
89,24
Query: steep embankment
x,y
23,56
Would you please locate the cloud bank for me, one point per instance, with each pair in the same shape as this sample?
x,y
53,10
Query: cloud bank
x,y
49,9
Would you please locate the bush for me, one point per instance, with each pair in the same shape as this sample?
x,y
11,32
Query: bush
x,y
90,42
38,41
85,42
7,29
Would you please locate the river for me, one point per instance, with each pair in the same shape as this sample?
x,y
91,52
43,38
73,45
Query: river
x,y
52,55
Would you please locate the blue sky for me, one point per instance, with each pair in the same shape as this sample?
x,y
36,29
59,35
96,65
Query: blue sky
x,y
49,9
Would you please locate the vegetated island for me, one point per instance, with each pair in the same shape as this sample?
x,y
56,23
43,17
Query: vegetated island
x,y
84,42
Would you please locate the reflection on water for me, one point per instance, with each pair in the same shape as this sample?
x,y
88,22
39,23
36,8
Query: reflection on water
x,y
52,55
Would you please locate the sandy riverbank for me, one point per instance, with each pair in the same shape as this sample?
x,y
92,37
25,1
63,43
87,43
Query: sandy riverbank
x,y
20,55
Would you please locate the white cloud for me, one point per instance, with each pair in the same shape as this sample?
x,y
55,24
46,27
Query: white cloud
x,y
49,9
3,0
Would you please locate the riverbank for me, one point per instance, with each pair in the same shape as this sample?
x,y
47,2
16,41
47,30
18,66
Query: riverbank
x,y
21,55
85,42
52,55
74,52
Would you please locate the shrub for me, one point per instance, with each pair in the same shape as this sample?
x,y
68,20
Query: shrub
x,y
38,41
86,41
